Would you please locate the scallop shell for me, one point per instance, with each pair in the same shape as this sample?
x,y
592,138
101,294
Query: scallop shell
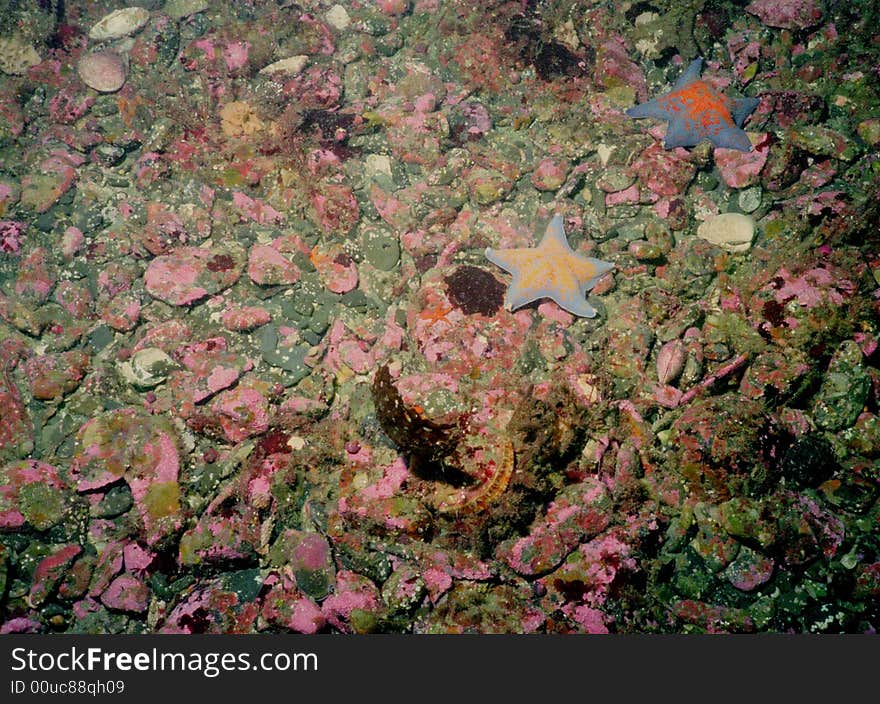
x,y
120,23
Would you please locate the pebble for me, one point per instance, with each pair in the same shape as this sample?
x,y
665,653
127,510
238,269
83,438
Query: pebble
x,y
645,251
337,17
381,247
119,23
614,179
749,199
731,231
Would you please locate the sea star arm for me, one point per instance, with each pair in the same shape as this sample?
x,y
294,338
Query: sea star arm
x,y
742,108
653,108
691,74
733,138
681,134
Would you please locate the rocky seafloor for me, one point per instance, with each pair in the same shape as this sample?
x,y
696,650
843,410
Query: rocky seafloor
x,y
255,371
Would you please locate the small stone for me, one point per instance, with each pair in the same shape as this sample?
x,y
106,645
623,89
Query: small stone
x,y
120,23
381,247
823,141
245,318
127,593
189,274
179,9
17,56
731,231
645,251
614,179
741,169
337,17
377,165
749,200
309,557
749,570
550,174
103,71
869,131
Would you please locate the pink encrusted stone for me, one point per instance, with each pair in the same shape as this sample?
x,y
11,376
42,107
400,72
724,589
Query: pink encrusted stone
x,y
127,593
550,174
749,570
786,14
336,208
353,592
16,476
189,274
245,318
242,413
268,266
579,511
666,172
50,571
614,68
36,277
129,444
336,268
287,607
740,169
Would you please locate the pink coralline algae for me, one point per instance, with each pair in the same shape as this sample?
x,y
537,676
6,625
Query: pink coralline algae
x,y
550,174
740,169
242,413
127,593
787,14
37,276
245,318
353,606
32,493
140,449
578,512
256,376
665,172
271,265
50,571
286,607
337,269
11,235
190,274
53,375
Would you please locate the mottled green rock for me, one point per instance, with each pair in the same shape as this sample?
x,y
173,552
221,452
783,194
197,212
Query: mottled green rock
x,y
43,506
823,141
844,389
381,248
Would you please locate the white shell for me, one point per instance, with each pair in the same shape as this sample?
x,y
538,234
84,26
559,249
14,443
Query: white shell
x,y
732,231
292,65
119,23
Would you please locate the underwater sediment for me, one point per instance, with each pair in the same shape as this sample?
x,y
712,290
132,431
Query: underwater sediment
x,y
257,373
